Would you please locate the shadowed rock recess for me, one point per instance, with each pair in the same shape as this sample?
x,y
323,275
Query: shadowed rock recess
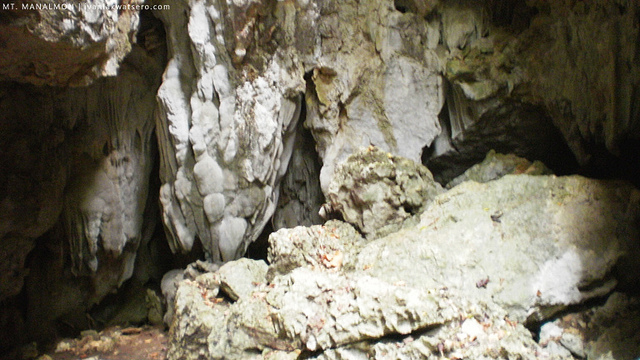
x,y
445,178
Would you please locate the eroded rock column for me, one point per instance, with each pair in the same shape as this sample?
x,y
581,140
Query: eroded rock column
x,y
228,111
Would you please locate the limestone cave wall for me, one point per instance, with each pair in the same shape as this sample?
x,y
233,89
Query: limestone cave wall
x,y
245,109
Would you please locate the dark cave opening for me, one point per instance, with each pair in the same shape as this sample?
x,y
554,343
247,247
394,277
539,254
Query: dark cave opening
x,y
522,129
404,6
527,131
300,195
259,249
515,14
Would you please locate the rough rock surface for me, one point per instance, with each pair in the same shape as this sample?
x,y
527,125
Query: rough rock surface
x,y
321,246
238,278
225,135
448,80
76,176
609,331
376,191
485,261
373,73
305,310
375,81
545,54
67,43
105,210
517,128
229,107
523,239
495,166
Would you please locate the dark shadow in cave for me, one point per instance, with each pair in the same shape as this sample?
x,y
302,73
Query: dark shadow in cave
x,y
258,249
514,14
60,299
522,129
405,6
300,195
605,165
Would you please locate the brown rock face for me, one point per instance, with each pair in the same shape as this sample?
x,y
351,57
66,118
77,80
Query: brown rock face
x,y
68,43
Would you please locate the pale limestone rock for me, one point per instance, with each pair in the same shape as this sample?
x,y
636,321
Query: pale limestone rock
x,y
375,87
374,76
106,198
239,278
226,138
377,191
304,310
525,234
462,283
230,101
169,286
333,246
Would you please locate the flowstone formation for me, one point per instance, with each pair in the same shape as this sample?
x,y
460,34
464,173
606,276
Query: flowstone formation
x,y
105,212
484,267
232,95
225,129
256,113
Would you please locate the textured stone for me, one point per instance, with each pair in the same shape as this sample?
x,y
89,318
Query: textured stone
x,y
376,191
495,166
169,286
106,198
484,261
493,338
306,310
512,74
546,57
585,32
521,241
226,137
239,278
373,83
373,74
512,128
333,245
90,160
607,331
65,43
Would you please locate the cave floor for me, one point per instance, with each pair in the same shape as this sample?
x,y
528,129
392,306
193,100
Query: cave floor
x,y
115,343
